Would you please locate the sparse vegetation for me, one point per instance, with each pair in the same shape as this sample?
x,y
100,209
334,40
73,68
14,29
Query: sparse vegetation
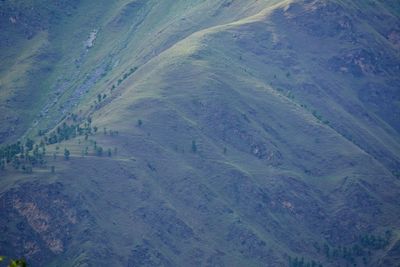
x,y
359,252
29,154
124,77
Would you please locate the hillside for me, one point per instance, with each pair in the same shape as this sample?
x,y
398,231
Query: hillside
x,y
200,133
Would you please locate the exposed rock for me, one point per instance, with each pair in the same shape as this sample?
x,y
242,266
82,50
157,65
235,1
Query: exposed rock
x,y
46,216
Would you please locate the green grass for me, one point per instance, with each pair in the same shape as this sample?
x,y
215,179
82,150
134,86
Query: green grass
x,y
269,179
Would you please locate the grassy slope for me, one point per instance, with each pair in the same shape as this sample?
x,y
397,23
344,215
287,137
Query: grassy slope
x,y
286,181
39,59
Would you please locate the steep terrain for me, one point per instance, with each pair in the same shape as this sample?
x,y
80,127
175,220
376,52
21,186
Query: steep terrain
x,y
211,133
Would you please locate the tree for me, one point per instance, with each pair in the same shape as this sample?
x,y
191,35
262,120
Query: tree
x,y
99,151
16,163
17,263
139,122
14,263
99,97
29,144
109,152
66,154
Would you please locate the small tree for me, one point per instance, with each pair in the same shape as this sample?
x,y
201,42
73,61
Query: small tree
x,y
66,154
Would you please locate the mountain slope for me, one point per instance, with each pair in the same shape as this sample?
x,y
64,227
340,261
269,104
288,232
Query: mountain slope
x,y
242,134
